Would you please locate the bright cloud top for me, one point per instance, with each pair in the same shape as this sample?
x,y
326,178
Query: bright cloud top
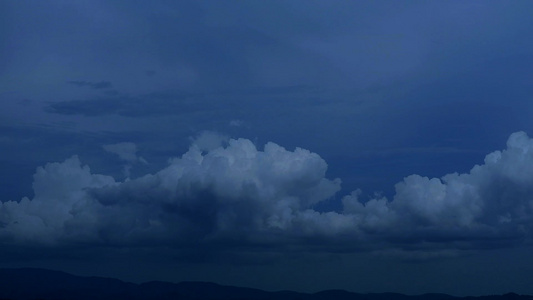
x,y
237,195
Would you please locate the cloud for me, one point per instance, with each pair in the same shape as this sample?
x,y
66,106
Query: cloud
x,y
236,123
228,193
126,152
208,140
94,85
57,210
491,206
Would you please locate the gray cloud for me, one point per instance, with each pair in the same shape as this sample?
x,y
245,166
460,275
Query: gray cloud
x,y
239,196
227,193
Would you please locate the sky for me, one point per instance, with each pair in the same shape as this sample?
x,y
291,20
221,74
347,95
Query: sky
x,y
371,146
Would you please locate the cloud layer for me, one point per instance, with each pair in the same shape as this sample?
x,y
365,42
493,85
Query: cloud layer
x,y
233,194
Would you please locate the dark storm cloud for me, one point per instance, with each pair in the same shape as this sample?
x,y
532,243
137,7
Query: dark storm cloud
x,y
237,196
94,85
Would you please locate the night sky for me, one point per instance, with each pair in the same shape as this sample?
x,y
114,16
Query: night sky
x,y
372,146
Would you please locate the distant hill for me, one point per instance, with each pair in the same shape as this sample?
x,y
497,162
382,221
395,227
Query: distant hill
x,y
41,284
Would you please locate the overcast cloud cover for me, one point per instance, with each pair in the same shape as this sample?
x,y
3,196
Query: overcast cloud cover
x,y
303,144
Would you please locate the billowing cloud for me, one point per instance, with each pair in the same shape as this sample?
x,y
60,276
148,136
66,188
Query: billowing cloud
x,y
491,206
231,194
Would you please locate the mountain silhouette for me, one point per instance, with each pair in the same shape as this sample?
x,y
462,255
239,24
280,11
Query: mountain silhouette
x,y
41,284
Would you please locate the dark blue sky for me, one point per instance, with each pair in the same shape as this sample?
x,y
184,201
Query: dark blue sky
x,y
365,145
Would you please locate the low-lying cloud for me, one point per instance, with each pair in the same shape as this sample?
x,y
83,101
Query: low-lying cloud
x,y
235,195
